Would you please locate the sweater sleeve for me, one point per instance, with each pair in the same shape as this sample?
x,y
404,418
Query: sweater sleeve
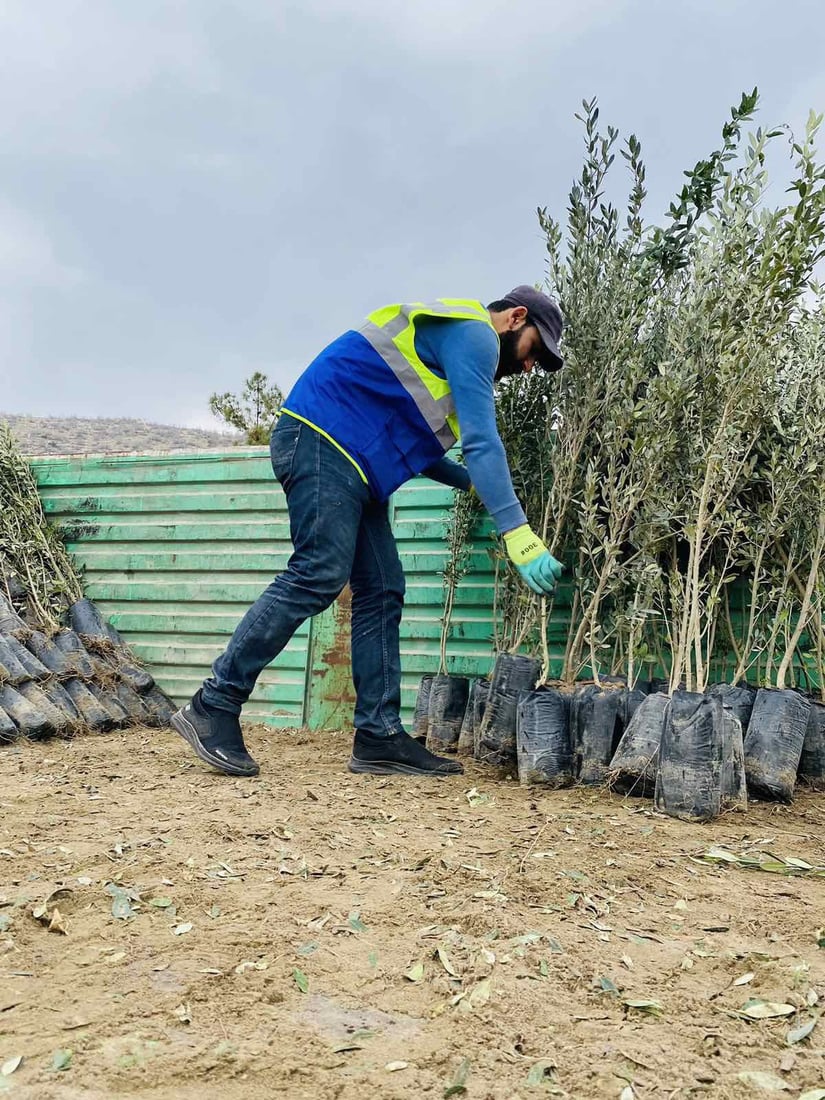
x,y
467,354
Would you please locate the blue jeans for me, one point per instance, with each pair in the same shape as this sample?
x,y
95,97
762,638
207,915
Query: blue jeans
x,y
339,534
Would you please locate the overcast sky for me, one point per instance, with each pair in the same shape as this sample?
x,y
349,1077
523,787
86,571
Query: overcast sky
x,y
192,190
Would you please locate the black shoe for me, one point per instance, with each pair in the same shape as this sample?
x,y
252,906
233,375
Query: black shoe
x,y
216,737
397,753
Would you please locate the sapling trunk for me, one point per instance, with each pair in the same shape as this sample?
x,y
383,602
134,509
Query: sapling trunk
x,y
805,608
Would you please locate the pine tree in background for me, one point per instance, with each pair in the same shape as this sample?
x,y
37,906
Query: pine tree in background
x,y
253,411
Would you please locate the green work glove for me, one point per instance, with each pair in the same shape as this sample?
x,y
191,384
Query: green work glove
x,y
538,568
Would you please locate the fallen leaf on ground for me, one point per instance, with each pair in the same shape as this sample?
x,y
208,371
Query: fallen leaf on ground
x,y
8,1067
301,980
540,1072
797,1034
182,929
61,1059
42,911
766,1010
444,959
249,964
415,973
763,861
479,995
457,1086
744,979
122,899
650,1008
394,1067
761,1080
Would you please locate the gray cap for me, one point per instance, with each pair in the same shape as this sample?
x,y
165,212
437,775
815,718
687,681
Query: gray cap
x,y
545,314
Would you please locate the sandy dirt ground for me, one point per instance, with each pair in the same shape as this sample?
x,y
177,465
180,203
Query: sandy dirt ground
x,y
315,934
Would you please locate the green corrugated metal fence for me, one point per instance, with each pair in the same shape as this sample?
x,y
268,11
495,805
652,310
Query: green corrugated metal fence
x,y
175,547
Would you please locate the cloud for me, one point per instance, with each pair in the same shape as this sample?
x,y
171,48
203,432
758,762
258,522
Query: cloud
x,y
195,190
27,255
468,30
68,65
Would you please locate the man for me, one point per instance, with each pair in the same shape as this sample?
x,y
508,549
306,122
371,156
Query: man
x,y
377,407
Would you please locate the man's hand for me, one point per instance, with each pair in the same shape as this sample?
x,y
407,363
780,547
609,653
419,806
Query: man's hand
x,y
538,568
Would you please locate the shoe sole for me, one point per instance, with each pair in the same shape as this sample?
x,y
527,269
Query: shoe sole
x,y
387,767
190,735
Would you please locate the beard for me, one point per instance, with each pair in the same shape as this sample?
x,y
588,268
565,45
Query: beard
x,y
508,363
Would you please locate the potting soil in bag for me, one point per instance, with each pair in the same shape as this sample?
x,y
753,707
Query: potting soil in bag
x,y
60,698
479,700
58,719
732,780
812,760
466,735
29,721
634,763
36,669
632,699
422,706
690,758
131,703
9,619
657,685
11,670
8,730
92,714
81,663
108,700
138,679
512,675
49,654
736,697
773,744
159,705
86,620
543,746
448,701
595,715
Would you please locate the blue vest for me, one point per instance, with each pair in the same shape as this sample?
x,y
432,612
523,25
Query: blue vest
x,y
391,421
350,394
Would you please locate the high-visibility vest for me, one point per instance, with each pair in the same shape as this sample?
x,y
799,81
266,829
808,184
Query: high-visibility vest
x,y
391,331
372,396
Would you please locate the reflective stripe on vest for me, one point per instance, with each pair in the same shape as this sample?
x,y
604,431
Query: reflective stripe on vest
x,y
391,332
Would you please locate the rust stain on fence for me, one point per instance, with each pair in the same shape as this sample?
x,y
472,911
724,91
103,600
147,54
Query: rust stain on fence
x,y
330,692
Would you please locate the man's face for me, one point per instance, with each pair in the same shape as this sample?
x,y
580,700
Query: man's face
x,y
520,350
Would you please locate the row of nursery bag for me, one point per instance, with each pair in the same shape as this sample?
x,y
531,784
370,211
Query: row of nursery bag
x,y
697,754
76,679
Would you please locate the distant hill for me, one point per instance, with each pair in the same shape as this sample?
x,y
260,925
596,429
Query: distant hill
x,y
48,435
